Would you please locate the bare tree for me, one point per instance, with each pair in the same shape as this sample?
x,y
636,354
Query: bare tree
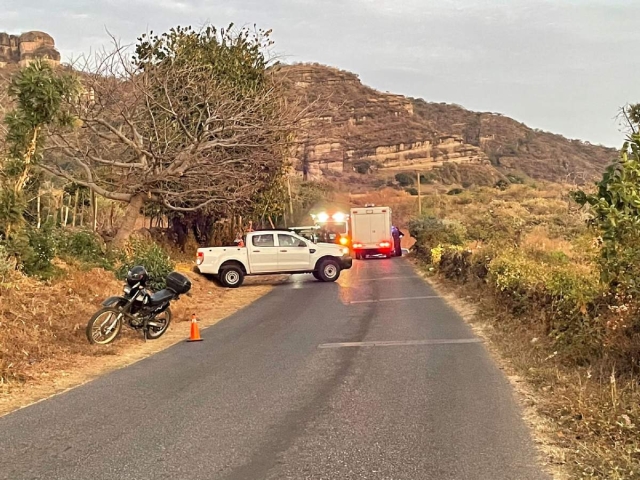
x,y
183,123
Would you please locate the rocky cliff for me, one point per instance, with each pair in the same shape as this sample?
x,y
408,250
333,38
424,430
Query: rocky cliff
x,y
22,49
350,127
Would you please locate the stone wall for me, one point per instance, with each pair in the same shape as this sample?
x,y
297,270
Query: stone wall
x,y
23,49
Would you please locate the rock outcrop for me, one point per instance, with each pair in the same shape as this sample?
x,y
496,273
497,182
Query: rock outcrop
x,y
350,127
23,49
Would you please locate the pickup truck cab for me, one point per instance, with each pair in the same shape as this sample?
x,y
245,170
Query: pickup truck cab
x,y
272,252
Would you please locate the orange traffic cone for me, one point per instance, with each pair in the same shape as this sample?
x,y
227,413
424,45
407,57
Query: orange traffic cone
x,y
195,331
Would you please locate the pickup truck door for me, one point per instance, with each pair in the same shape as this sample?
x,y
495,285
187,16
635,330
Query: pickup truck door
x,y
263,253
293,254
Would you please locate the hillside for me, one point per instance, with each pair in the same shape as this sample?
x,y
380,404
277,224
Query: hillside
x,y
357,131
353,128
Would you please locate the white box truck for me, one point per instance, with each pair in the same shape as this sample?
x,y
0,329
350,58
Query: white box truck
x,y
371,231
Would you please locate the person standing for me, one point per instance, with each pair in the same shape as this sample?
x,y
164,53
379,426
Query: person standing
x,y
397,243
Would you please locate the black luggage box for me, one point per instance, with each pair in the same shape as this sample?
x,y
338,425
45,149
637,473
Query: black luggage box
x,y
178,283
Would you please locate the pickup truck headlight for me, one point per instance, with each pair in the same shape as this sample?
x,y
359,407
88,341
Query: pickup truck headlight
x,y
345,251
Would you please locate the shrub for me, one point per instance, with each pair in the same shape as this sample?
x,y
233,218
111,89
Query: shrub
x,y
501,184
362,168
84,246
431,232
564,296
455,263
515,179
427,179
150,256
411,191
7,266
404,179
37,259
455,191
615,212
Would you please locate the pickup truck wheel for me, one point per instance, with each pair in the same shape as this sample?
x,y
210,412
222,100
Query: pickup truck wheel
x,y
329,270
316,275
231,277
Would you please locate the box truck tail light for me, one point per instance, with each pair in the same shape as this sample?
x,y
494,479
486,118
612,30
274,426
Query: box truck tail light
x,y
357,245
200,258
385,244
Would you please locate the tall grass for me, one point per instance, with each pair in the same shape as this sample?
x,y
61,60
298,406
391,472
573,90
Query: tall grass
x,y
530,260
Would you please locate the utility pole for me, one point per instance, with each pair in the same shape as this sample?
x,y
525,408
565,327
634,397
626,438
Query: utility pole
x,y
419,194
290,197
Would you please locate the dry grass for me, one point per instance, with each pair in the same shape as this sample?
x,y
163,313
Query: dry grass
x,y
539,239
43,349
584,422
583,403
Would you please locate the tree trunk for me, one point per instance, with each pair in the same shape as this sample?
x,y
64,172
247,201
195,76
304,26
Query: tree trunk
x,y
131,216
39,212
112,215
94,210
62,211
75,208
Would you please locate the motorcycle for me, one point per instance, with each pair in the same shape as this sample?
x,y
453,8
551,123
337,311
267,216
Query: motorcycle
x,y
139,308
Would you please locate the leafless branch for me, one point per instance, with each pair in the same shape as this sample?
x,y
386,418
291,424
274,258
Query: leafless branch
x,y
173,135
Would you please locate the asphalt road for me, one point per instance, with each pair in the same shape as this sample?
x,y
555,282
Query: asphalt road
x,y
373,377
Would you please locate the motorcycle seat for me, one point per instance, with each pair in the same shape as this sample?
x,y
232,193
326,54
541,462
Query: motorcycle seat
x,y
162,296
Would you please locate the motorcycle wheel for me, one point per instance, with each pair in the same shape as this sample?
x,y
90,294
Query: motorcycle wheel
x,y
104,326
163,320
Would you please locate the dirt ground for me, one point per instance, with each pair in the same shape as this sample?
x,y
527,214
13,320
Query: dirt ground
x,y
61,359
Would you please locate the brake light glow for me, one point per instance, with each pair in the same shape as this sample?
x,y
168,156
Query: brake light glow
x,y
385,244
357,245
200,258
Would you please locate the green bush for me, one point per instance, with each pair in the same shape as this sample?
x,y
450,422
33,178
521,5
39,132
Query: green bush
x,y
84,246
615,215
411,191
455,191
430,232
150,256
37,259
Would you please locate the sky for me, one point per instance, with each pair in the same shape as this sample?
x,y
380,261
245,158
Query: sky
x,y
564,66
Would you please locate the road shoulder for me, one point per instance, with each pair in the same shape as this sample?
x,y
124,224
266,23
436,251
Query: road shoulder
x,y
551,455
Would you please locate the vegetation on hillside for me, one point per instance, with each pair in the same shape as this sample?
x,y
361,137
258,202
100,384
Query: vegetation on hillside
x,y
558,284
342,112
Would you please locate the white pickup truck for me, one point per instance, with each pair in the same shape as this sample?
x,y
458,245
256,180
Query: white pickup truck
x,y
272,252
